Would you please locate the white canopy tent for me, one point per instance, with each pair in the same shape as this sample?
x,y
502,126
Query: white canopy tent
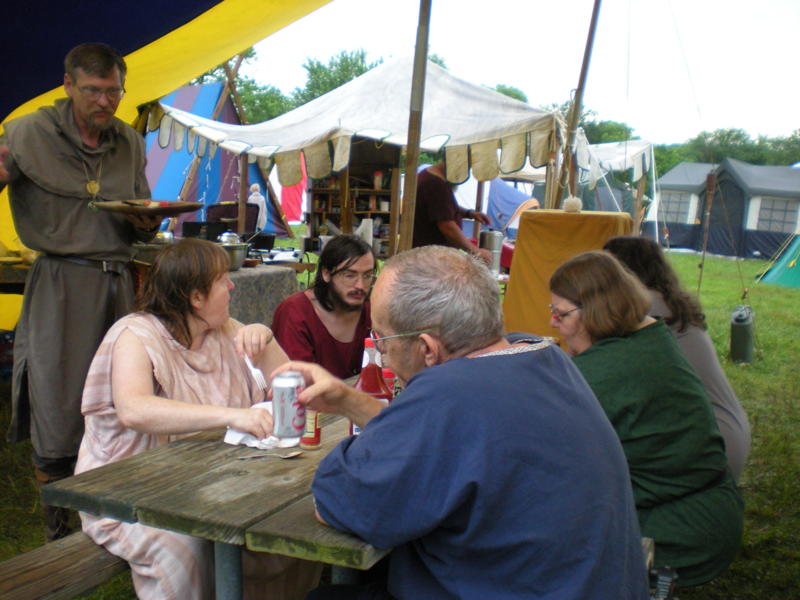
x,y
478,128
595,160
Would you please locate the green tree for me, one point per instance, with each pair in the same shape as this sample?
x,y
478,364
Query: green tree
x,y
670,155
781,150
712,147
262,103
322,78
599,132
511,92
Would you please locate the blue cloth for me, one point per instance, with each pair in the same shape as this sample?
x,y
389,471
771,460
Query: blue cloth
x,y
503,200
492,477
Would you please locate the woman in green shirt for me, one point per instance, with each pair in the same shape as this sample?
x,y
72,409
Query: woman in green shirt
x,y
686,498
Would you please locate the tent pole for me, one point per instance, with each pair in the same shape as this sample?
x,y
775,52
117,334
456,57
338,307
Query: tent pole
x,y
394,217
637,205
415,125
476,226
230,76
243,185
187,183
567,175
711,184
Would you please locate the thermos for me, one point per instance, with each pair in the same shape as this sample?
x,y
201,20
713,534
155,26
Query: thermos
x,y
742,334
493,242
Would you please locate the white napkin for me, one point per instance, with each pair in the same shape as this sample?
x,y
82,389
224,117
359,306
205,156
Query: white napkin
x,y
236,438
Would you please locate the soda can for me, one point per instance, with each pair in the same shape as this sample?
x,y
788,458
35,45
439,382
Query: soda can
x,y
288,414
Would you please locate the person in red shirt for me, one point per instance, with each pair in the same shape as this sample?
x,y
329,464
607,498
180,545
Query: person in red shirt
x,y
437,215
327,324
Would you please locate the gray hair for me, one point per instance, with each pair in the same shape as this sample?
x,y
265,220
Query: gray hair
x,y
447,291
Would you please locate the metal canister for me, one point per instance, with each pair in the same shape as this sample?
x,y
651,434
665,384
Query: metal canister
x,y
288,414
493,242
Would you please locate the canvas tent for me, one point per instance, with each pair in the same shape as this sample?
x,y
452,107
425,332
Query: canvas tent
x,y
469,122
594,163
217,177
786,269
753,211
165,44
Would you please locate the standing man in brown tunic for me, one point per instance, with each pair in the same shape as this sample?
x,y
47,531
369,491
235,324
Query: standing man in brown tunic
x,y
437,216
57,161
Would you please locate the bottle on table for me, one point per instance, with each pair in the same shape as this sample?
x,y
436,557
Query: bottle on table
x,y
312,436
371,380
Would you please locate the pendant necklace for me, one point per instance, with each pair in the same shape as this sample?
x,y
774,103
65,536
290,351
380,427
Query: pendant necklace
x,y
93,185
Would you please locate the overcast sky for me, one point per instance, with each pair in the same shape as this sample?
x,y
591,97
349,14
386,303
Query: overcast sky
x,y
668,68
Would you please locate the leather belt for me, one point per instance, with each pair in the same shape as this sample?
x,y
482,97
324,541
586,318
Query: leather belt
x,y
107,266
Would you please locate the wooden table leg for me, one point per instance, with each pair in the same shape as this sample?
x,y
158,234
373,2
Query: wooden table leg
x,y
228,571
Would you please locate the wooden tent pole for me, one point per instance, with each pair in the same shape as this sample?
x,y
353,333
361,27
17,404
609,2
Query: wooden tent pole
x,y
230,76
275,201
711,186
476,226
237,101
243,185
415,125
567,174
637,204
394,216
187,183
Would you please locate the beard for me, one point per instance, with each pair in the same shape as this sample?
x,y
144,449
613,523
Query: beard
x,y
340,303
100,126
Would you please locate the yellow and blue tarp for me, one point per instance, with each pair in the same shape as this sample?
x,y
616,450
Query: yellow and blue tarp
x,y
166,43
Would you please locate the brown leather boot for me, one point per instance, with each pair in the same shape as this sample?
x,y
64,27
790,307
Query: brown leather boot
x,y
56,519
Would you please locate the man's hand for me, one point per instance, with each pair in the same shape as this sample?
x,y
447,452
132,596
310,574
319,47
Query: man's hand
x,y
5,177
324,392
479,216
329,394
484,254
145,222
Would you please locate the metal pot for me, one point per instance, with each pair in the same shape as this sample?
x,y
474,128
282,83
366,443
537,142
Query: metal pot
x,y
237,253
164,237
229,237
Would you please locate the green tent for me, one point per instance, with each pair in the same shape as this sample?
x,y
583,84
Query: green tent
x,y
786,269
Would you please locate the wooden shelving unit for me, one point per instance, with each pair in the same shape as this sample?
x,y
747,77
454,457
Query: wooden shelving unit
x,y
368,189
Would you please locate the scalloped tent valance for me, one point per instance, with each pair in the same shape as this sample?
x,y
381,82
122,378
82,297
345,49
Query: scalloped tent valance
x,y
477,128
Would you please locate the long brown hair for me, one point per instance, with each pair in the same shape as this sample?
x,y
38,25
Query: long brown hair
x,y
645,258
186,266
612,300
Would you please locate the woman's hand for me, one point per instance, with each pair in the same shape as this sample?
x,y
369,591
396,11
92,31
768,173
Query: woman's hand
x,y
252,339
255,421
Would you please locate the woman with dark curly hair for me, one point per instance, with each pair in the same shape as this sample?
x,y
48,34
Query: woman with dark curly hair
x,y
684,316
686,497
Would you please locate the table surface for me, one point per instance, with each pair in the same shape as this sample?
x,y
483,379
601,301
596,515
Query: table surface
x,y
198,487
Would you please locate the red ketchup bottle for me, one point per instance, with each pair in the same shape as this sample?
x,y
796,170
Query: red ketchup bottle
x,y
371,380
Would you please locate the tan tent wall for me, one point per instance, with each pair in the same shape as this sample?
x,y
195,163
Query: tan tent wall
x,y
546,239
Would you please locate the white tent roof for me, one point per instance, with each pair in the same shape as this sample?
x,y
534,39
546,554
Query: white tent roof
x,y
595,160
470,122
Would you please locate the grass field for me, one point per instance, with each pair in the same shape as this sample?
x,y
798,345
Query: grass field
x,y
768,565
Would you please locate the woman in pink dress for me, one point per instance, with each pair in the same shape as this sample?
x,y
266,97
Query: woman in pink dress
x,y
173,368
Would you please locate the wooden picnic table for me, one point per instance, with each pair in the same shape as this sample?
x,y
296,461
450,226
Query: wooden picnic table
x,y
197,486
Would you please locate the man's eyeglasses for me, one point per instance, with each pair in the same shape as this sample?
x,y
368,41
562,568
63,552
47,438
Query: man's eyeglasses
x,y
378,339
349,276
559,316
93,93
